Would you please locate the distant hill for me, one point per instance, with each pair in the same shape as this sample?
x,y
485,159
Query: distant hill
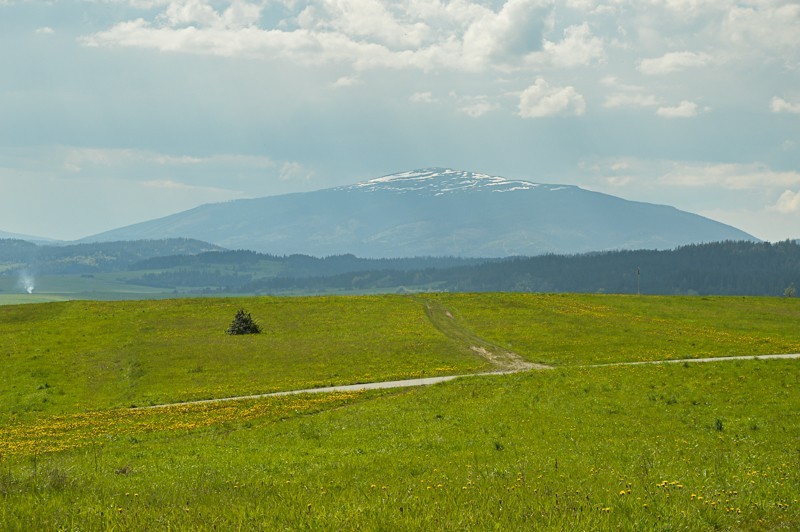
x,y
92,258
435,212
28,238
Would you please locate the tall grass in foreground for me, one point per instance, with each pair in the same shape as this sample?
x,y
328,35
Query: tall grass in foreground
x,y
694,447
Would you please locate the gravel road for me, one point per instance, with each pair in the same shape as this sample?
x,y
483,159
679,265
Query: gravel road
x,y
409,383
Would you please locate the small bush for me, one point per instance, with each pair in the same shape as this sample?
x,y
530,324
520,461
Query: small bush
x,y
243,323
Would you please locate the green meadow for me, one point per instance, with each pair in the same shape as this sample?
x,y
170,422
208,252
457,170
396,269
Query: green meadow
x,y
584,445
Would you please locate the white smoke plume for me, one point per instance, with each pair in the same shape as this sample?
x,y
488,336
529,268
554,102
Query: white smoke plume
x,y
27,282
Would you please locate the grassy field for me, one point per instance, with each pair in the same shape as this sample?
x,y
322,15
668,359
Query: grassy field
x,y
567,329
80,355
678,447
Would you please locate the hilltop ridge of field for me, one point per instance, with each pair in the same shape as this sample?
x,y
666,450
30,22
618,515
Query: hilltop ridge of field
x,y
83,354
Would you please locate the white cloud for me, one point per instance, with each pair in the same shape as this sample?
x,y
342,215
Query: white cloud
x,y
788,202
45,30
294,171
467,35
673,62
729,176
631,99
767,27
578,48
422,97
512,32
541,99
685,109
239,14
682,174
74,159
460,35
364,19
346,81
477,108
779,105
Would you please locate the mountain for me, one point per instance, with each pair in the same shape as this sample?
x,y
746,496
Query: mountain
x,y
27,238
435,212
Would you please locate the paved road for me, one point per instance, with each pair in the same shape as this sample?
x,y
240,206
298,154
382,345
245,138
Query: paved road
x,y
435,380
408,383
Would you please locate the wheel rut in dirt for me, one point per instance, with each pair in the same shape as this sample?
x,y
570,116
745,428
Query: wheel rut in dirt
x,y
502,359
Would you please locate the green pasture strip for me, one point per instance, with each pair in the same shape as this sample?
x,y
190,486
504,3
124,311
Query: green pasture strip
x,y
88,355
24,299
574,329
694,447
68,285
105,286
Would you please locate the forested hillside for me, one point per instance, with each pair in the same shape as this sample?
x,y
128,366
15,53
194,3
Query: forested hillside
x,y
192,267
726,268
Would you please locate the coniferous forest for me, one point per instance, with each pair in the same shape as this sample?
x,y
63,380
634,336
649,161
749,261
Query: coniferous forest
x,y
722,268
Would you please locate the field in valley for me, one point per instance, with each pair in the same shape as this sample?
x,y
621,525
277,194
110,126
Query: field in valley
x,y
678,446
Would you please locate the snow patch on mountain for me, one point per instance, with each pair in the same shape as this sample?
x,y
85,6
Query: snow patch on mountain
x,y
441,181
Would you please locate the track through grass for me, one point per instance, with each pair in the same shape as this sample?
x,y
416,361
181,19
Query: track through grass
x,y
501,358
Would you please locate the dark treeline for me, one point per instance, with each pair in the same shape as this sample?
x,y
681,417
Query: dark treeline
x,y
302,265
725,268
17,251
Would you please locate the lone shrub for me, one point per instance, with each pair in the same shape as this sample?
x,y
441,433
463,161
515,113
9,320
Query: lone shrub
x,y
243,323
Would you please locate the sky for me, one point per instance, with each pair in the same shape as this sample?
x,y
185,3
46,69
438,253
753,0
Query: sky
x,y
114,112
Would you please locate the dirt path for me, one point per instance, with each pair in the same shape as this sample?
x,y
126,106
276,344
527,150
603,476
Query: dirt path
x,y
499,357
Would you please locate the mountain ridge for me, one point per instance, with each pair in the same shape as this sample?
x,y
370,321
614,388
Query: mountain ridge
x,y
435,212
